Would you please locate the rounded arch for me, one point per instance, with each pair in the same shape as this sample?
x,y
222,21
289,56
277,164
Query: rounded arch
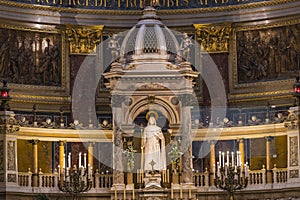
x,y
159,104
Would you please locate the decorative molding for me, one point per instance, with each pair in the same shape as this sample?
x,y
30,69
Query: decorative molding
x,y
11,155
293,158
83,39
137,12
152,86
11,178
9,125
213,37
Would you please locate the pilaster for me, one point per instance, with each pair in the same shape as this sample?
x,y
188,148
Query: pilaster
x,y
8,153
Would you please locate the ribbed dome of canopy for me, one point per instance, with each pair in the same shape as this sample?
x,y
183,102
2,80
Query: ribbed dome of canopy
x,y
149,36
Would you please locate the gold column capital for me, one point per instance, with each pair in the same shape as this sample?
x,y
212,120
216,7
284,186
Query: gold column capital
x,y
34,141
213,37
269,138
83,39
240,140
62,143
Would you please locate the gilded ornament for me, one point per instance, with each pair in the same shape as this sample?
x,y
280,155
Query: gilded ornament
x,y
213,37
83,39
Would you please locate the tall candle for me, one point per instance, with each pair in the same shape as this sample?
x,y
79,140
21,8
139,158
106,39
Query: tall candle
x,y
180,192
168,176
58,172
133,196
232,159
116,193
214,170
227,158
220,160
79,165
64,163
69,160
125,193
84,159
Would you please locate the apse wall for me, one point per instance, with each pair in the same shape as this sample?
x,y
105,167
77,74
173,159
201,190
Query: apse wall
x,y
255,45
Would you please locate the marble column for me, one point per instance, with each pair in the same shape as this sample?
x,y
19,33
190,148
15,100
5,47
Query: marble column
x,y
268,159
118,170
212,162
242,151
187,173
35,164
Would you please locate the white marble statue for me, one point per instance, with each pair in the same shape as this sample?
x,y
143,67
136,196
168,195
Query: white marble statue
x,y
154,144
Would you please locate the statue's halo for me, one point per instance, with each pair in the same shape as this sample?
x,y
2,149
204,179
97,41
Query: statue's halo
x,y
155,114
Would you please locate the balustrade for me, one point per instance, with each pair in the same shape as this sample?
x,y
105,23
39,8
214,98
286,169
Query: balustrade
x,y
105,180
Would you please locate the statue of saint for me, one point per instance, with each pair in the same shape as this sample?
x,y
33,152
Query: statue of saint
x,y
154,144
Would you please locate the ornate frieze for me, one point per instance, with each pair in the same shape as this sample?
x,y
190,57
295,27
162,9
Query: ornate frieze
x,y
213,37
83,39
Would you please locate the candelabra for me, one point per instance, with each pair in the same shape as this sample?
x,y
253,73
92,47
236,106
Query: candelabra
x,y
75,181
230,175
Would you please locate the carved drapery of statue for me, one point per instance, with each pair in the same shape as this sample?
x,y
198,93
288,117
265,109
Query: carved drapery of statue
x,y
154,144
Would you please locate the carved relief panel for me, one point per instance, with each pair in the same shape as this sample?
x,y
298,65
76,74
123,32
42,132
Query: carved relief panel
x,y
30,56
11,153
268,52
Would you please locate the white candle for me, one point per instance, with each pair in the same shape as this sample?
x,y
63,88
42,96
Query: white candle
x,y
124,193
133,196
69,160
220,160
227,158
246,170
214,170
237,158
58,172
168,176
79,159
180,192
84,159
64,162
232,159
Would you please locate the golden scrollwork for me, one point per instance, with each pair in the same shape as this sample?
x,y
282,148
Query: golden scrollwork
x,y
213,37
83,39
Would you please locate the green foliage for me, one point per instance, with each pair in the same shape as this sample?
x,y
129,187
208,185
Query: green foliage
x,y
129,153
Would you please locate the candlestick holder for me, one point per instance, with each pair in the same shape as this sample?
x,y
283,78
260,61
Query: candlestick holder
x,y
231,179
75,181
